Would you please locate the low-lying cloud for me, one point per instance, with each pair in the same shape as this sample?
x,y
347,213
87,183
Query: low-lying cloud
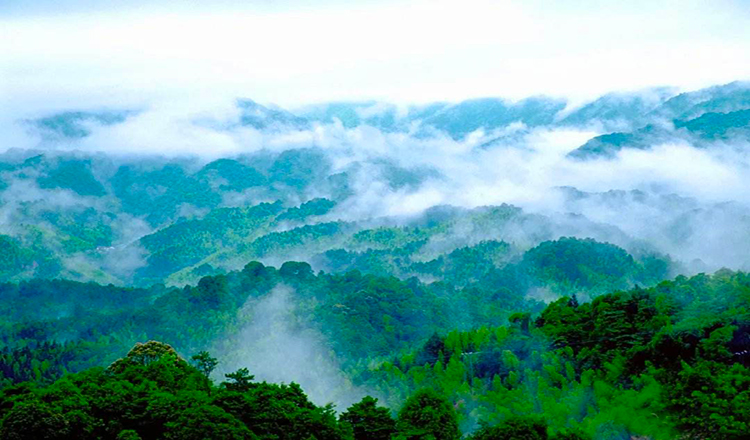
x,y
276,347
519,165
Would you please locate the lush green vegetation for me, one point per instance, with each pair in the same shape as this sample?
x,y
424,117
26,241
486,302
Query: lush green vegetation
x,y
175,221
659,362
153,393
456,330
288,309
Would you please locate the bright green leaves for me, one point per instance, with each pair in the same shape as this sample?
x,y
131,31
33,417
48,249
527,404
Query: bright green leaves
x,y
369,421
427,416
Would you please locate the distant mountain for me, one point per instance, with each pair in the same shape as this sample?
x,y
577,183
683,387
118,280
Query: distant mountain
x,y
718,99
642,111
265,118
230,175
718,125
354,114
381,115
460,119
76,124
699,132
698,118
79,215
620,110
623,113
608,145
455,120
421,112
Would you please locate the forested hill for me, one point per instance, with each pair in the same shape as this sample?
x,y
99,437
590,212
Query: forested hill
x,y
361,312
486,269
665,361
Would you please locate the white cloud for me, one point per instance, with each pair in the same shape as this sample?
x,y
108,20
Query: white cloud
x,y
406,51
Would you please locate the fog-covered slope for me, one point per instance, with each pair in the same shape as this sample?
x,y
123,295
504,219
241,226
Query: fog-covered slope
x,y
259,182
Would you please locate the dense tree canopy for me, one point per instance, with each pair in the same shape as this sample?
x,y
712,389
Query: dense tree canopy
x,y
662,361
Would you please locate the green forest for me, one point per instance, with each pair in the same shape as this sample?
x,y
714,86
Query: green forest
x,y
489,269
437,361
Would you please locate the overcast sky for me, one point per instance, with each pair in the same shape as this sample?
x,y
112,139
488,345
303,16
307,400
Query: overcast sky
x,y
57,53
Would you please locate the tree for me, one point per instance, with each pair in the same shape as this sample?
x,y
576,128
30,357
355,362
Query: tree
x,y
210,292
570,435
145,354
431,351
34,420
240,380
516,428
429,416
204,363
274,411
204,422
369,421
128,434
712,400
522,320
295,269
573,302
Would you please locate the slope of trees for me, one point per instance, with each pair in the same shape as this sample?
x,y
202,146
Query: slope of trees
x,y
153,393
663,361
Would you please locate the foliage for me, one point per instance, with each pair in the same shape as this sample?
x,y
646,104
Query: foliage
x,y
153,394
516,428
662,361
427,415
369,421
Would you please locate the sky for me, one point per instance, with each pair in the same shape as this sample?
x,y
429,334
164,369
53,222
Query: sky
x,y
77,54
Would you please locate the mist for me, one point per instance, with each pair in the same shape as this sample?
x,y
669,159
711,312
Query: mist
x,y
683,196
523,206
276,347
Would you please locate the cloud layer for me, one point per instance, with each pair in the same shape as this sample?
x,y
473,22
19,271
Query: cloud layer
x,y
525,166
